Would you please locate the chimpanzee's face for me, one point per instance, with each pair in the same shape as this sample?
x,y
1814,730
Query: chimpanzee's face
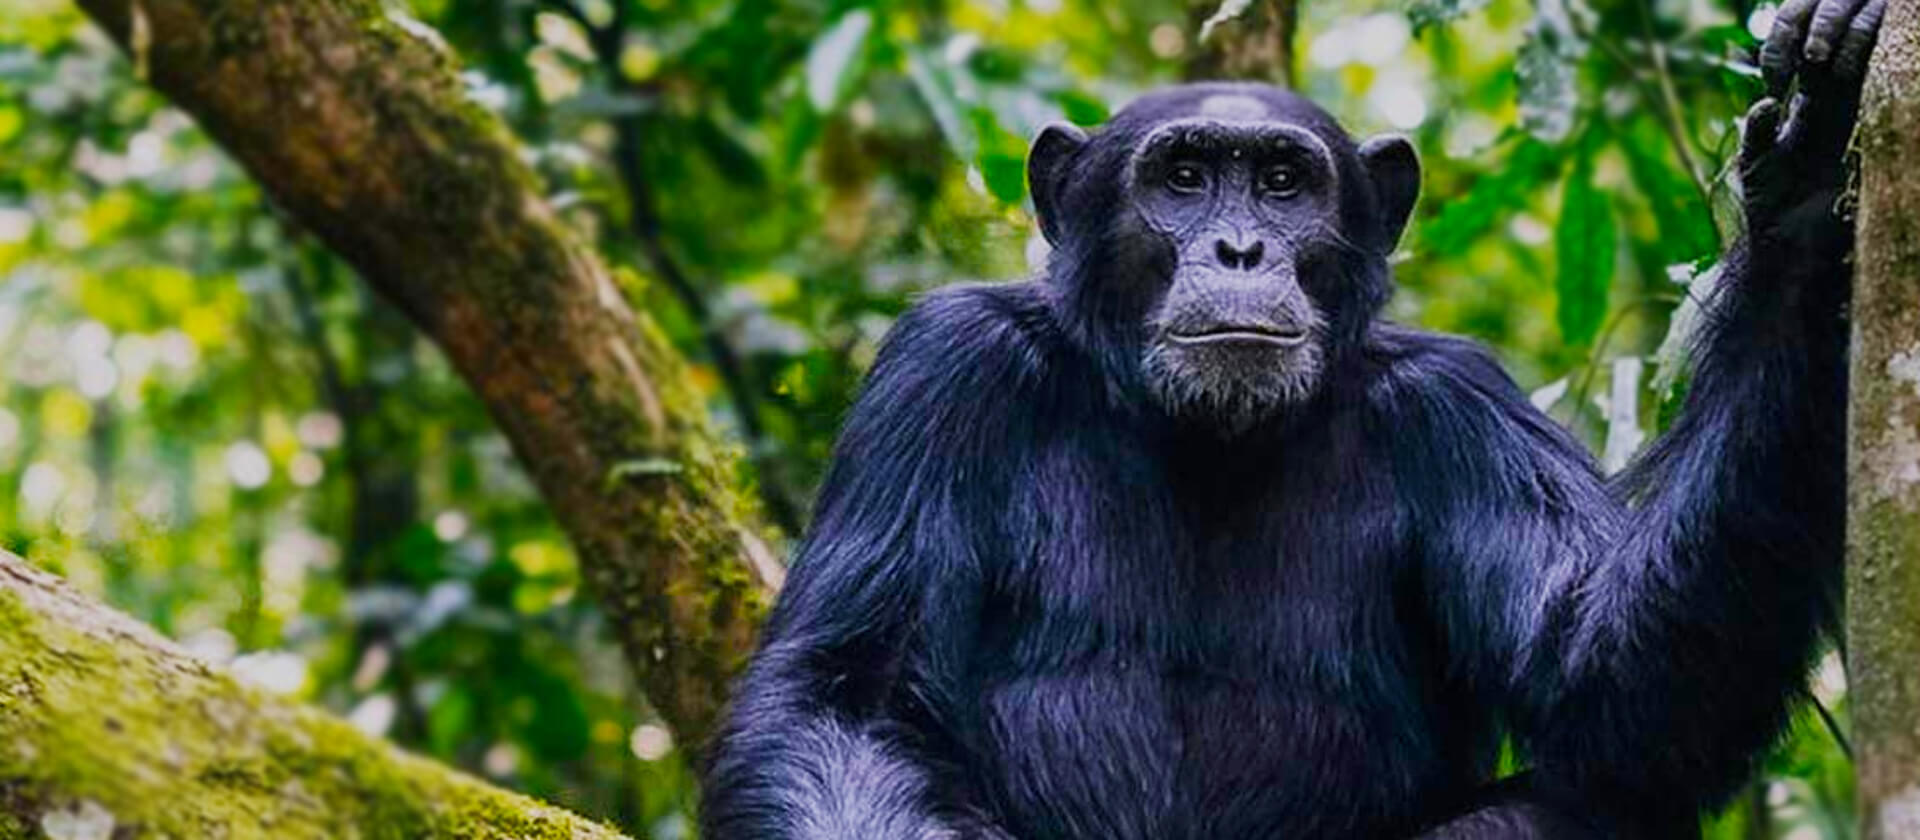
x,y
1241,205
1246,232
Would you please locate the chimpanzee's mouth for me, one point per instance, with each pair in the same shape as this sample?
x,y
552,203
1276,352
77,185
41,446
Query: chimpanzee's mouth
x,y
1242,336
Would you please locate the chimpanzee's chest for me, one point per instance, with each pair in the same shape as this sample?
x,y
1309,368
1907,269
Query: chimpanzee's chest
x,y
1303,719
1138,675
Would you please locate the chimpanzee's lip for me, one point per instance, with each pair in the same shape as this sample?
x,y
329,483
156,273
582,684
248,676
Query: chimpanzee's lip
x,y
1269,336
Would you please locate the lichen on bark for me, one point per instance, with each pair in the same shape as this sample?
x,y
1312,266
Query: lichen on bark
x,y
100,718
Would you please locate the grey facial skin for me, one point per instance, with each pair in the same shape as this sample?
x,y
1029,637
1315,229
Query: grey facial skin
x,y
1238,200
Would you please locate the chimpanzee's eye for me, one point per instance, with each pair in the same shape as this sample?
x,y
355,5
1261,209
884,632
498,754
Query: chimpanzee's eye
x,y
1186,178
1280,180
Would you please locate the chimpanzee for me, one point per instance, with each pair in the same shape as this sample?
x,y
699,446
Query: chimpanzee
x,y
1183,541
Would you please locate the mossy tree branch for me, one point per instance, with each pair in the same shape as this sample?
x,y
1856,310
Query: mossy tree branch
x,y
104,723
1883,438
356,124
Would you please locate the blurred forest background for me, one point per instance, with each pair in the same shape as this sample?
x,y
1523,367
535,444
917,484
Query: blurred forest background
x,y
206,421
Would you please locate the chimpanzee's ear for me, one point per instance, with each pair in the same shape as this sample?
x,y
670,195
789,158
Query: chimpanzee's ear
x,y
1047,163
1394,169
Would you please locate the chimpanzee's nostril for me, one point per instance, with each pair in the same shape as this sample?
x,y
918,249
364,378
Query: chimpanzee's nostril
x,y
1231,257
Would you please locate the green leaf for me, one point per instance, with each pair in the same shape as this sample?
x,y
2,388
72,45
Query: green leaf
x,y
1006,176
837,59
934,82
997,65
1585,251
1002,158
1425,13
800,125
1080,108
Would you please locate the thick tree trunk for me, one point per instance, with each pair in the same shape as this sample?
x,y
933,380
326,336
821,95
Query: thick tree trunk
x,y
1883,528
106,729
356,123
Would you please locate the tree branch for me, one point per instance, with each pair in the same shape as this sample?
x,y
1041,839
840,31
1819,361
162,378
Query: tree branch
x,y
356,124
101,719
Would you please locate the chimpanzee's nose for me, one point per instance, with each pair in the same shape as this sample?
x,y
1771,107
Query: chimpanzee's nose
x,y
1244,257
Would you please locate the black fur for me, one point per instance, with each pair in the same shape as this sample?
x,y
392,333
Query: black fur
x,y
1035,604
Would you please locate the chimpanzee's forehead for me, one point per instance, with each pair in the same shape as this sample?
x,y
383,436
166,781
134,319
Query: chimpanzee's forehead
x,y
1216,134
1227,103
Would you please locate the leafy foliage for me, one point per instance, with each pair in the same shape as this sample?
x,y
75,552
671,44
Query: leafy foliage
x,y
1548,62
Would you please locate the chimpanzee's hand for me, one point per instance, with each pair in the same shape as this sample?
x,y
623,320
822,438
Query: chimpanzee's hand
x,y
1792,161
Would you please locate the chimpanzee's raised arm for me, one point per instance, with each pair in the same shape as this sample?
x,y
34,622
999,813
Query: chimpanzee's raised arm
x,y
1658,651
810,749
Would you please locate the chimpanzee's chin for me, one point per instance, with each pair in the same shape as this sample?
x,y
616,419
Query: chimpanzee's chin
x,y
1231,391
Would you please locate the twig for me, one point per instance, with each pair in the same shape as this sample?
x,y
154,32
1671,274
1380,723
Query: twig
x,y
349,403
304,315
1833,728
1669,109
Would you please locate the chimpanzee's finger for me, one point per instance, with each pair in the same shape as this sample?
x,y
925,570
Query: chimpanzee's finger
x,y
1761,134
1857,45
1830,20
1780,55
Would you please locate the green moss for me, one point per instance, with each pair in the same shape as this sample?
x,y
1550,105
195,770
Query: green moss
x,y
174,748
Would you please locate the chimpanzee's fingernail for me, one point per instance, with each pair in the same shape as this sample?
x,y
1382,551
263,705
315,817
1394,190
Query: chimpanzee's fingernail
x,y
1818,49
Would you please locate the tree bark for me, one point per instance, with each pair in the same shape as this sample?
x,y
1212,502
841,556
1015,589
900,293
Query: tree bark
x,y
106,729
355,122
1883,532
1254,45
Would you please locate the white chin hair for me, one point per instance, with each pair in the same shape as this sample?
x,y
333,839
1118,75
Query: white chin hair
x,y
1226,388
